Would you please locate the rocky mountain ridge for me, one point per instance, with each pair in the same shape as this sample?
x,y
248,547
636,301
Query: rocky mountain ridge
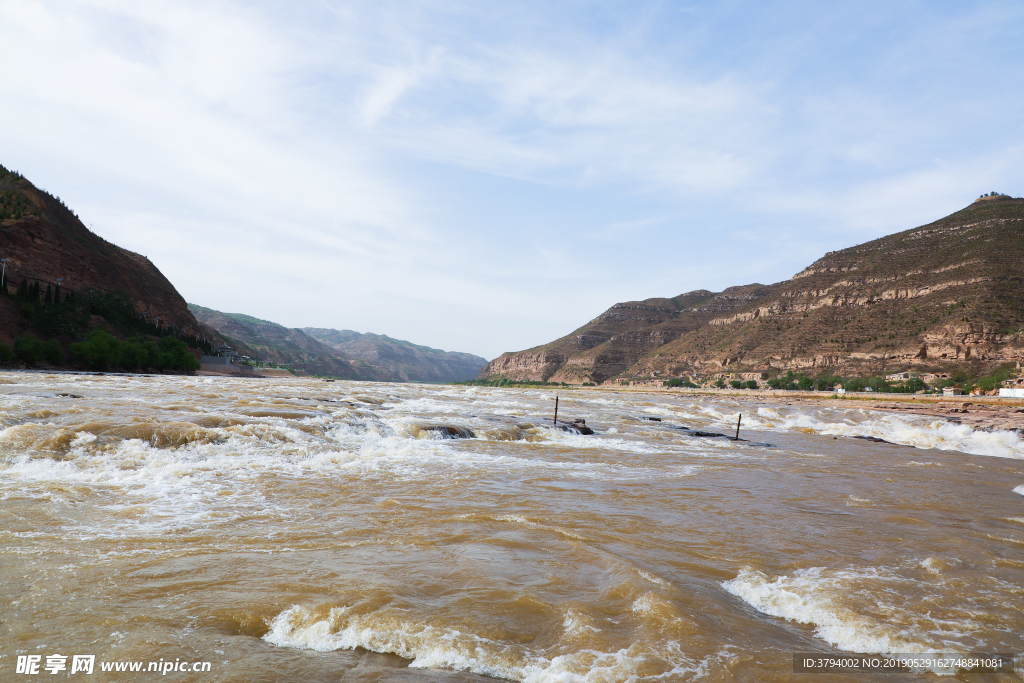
x,y
400,360
270,342
340,353
937,296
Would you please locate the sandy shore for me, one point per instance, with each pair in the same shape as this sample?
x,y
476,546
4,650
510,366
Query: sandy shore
x,y
989,413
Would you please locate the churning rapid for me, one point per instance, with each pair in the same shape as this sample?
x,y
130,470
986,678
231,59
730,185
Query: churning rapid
x,y
298,529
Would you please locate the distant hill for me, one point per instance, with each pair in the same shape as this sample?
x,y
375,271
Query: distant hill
x,y
340,353
945,295
44,240
269,341
401,359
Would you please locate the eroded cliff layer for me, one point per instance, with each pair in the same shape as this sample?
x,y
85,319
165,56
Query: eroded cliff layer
x,y
946,293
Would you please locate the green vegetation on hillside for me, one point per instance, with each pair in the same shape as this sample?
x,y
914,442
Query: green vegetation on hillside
x,y
15,205
791,381
994,379
67,321
680,382
31,350
101,351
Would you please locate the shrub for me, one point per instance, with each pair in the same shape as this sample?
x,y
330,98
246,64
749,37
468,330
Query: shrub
x,y
31,350
674,382
750,384
5,353
736,384
28,350
862,383
52,352
995,379
825,383
174,355
101,351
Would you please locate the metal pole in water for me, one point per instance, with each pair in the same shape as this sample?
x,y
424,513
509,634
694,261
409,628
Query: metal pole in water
x,y
738,425
554,420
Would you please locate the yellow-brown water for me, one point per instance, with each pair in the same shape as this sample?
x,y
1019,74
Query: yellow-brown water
x,y
315,531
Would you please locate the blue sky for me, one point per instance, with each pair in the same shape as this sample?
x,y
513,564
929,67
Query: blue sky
x,y
486,177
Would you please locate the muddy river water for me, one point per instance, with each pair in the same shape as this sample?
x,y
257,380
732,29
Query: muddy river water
x,y
303,530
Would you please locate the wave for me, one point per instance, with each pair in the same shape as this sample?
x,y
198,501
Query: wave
x,y
883,610
429,645
813,596
910,430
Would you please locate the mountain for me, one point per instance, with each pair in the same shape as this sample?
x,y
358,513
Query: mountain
x,y
44,241
401,359
940,296
341,353
275,343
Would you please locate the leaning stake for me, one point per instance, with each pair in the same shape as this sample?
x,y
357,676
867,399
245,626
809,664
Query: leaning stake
x,y
738,425
554,420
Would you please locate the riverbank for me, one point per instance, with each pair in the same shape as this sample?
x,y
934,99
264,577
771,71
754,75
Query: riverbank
x,y
987,413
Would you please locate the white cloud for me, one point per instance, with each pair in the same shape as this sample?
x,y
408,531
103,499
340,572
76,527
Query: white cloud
x,y
486,177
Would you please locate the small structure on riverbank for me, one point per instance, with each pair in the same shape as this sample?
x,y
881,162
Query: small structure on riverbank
x,y
229,362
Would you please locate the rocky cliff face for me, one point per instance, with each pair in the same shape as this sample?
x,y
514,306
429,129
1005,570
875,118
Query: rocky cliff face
x,y
543,362
946,293
45,241
608,345
525,365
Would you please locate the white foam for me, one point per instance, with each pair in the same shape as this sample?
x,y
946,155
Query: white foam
x,y
431,645
587,666
910,430
814,597
426,645
1019,489
575,624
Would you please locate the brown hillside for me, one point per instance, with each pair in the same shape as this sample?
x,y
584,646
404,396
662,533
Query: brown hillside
x,y
398,359
611,342
44,241
269,341
940,295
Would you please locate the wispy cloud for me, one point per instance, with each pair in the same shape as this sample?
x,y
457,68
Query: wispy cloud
x,y
379,163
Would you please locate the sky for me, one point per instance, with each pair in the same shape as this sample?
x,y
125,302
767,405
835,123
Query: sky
x,y
486,177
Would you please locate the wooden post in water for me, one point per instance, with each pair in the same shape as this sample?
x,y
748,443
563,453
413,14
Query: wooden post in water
x,y
738,426
554,420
